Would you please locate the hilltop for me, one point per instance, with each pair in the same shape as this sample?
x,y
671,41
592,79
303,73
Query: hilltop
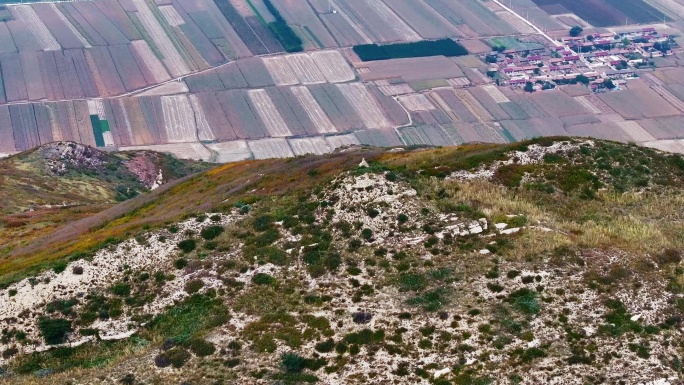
x,y
63,181
556,260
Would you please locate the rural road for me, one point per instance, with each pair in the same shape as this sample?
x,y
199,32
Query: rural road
x,y
539,30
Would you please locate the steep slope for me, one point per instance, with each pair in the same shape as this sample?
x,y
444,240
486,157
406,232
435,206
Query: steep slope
x,y
550,261
64,181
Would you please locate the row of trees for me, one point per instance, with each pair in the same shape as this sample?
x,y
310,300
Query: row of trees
x,y
282,31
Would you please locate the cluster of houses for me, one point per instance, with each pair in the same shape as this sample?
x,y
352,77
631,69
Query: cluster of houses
x,y
594,58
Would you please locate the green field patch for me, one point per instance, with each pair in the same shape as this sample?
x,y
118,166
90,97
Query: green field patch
x,y
513,43
95,122
428,84
425,48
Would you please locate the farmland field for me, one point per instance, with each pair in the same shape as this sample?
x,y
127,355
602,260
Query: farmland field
x,y
605,13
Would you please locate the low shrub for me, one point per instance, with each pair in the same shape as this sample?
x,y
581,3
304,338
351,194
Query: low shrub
x,y
201,347
180,263
54,331
325,346
177,357
193,286
211,232
263,279
187,245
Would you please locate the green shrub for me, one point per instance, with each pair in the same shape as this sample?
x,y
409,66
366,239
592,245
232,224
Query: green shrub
x,y
193,286
180,263
54,331
640,350
263,223
201,347
365,337
325,346
529,355
263,279
60,267
292,363
425,344
431,301
122,289
495,287
211,232
412,282
402,218
187,245
372,212
177,356
525,301
367,234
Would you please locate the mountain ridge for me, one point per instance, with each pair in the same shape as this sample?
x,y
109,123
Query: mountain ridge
x,y
551,260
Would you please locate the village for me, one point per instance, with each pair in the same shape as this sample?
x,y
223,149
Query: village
x,y
602,61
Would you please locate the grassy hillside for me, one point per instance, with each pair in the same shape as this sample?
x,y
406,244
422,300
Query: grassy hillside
x,y
555,259
62,182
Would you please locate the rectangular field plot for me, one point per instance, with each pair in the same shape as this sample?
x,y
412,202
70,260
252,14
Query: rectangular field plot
x,y
300,13
24,125
240,114
309,113
242,28
90,25
255,72
68,75
13,77
362,101
305,146
106,72
7,143
379,138
291,111
336,107
280,70
204,82
153,70
423,19
414,69
267,111
231,76
393,111
609,12
6,41
343,28
339,141
333,66
557,103
179,119
36,26
305,69
431,135
664,128
379,20
23,38
270,148
172,58
234,151
638,103
66,34
213,112
204,131
127,67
